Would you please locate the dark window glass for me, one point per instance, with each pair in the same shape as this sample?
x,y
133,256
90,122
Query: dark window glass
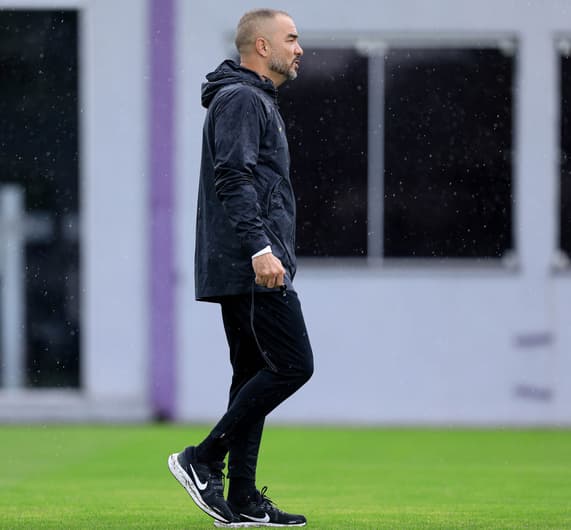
x,y
39,152
565,230
448,160
325,110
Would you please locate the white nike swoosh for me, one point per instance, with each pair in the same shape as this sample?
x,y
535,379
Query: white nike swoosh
x,y
201,485
265,519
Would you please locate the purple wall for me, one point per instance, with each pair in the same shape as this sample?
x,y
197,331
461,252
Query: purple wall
x,y
162,207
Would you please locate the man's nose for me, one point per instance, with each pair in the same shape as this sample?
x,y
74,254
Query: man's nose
x,y
299,50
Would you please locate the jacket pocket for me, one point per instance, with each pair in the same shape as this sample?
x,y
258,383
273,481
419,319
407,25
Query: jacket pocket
x,y
273,191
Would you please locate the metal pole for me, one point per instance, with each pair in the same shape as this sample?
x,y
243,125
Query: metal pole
x,y
375,153
12,282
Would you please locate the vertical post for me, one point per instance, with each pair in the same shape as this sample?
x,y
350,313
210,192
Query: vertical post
x,y
536,162
12,285
162,314
375,152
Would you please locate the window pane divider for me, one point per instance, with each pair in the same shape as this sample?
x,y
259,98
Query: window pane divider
x,y
375,155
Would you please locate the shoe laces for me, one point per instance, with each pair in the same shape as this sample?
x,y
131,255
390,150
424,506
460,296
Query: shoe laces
x,y
265,500
216,475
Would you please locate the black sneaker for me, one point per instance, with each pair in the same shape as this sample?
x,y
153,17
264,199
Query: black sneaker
x,y
203,483
260,511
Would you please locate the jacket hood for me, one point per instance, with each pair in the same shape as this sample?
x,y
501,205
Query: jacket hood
x,y
229,73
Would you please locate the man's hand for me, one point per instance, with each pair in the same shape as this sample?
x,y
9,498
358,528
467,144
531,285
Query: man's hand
x,y
269,271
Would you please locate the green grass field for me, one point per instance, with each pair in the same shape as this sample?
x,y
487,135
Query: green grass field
x,y
116,477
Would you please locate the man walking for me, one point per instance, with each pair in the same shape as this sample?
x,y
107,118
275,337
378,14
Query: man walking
x,y
245,261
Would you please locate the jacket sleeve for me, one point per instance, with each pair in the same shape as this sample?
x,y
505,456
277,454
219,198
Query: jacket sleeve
x,y
239,123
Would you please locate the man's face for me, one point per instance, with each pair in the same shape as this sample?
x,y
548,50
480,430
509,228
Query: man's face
x,y
286,51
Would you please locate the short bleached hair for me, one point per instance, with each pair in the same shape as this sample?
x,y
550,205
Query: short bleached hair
x,y
248,26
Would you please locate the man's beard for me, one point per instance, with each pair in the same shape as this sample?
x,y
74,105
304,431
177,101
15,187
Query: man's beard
x,y
280,66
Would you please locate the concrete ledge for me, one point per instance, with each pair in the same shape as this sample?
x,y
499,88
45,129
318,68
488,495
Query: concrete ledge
x,y
69,406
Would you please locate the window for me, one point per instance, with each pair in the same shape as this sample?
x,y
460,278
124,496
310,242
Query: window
x,y
325,110
39,153
565,194
405,153
448,142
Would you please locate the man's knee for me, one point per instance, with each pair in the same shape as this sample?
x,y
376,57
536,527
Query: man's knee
x,y
305,370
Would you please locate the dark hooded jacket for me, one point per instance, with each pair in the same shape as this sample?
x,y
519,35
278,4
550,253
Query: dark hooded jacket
x,y
245,197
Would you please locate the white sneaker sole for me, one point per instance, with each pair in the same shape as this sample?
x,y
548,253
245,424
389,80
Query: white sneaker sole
x,y
186,482
219,524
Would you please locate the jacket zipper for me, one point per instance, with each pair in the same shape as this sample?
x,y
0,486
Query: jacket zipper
x,y
266,224
280,242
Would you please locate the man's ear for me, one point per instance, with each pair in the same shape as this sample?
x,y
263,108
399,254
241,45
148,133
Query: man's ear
x,y
262,46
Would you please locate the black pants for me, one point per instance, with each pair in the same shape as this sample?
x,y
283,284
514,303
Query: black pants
x,y
271,358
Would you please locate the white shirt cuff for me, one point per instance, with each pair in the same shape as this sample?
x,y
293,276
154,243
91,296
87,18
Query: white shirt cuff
x,y
265,250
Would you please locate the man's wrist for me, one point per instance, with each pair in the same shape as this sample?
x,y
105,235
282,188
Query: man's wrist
x,y
266,250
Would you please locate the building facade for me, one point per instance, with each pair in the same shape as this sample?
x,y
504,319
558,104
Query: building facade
x,y
430,146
